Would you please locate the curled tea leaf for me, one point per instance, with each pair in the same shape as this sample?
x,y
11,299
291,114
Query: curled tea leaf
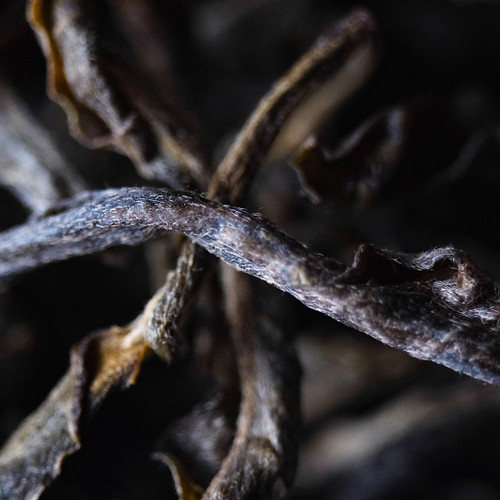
x,y
180,284
105,107
395,150
299,103
362,164
195,446
33,456
185,488
102,362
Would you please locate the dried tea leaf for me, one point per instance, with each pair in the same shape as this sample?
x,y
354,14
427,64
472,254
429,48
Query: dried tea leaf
x,y
323,78
30,165
395,150
105,107
33,456
322,70
195,446
261,461
355,171
186,489
352,41
434,305
113,359
176,293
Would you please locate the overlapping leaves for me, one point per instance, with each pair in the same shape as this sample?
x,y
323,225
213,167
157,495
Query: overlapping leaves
x,y
434,305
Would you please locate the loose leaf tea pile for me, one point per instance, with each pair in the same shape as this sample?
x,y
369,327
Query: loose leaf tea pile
x,y
132,200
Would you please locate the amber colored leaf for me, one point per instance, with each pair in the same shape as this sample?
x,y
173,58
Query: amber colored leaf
x,y
33,456
185,487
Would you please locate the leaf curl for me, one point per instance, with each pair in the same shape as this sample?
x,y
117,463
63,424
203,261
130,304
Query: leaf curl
x,y
299,103
104,361
195,446
33,456
185,488
357,170
260,462
105,106
396,150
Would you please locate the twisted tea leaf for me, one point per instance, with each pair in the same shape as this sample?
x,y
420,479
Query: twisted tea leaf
x,y
434,305
180,285
33,456
91,119
253,245
261,462
299,103
328,73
